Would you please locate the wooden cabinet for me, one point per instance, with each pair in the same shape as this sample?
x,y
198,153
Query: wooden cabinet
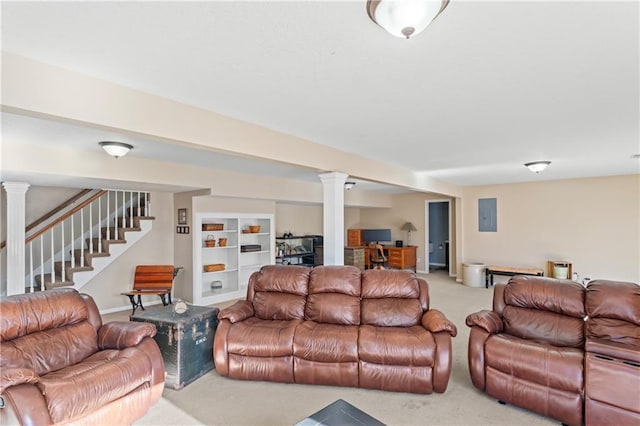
x,y
566,266
401,257
354,238
221,271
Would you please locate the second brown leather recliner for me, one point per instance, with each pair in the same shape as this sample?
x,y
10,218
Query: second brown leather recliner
x,y
530,349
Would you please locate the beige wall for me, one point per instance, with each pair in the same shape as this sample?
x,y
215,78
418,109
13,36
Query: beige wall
x,y
42,199
593,223
299,219
183,243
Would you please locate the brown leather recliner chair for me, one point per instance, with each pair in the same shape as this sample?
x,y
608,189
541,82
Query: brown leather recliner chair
x,y
60,364
529,350
612,364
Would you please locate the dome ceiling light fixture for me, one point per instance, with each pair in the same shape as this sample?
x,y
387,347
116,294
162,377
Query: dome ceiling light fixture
x,y
537,166
405,18
116,149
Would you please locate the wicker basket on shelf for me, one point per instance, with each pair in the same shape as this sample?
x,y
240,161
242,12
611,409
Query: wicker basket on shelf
x,y
210,241
222,242
214,267
254,229
212,226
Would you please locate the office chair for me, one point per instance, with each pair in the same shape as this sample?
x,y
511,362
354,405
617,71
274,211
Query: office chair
x,y
377,257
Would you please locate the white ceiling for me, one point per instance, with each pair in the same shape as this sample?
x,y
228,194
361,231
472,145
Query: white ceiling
x,y
487,87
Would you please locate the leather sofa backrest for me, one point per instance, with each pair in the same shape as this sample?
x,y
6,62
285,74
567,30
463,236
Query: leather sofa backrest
x,y
545,310
334,295
279,293
391,298
46,331
613,310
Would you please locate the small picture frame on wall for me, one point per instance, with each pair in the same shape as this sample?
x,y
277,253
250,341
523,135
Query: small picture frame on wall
x,y
182,216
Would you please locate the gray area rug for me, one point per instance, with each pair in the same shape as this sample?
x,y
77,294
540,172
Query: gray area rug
x,y
215,400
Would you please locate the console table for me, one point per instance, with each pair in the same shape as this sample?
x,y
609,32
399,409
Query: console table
x,y
509,271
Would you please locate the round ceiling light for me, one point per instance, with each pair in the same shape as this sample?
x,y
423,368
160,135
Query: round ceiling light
x,y
405,18
116,149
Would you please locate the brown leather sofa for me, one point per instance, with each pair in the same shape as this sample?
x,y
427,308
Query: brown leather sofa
x,y
530,349
336,325
59,363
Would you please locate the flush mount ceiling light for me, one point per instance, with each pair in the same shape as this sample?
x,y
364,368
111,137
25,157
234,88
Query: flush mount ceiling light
x,y
348,185
537,166
116,149
404,18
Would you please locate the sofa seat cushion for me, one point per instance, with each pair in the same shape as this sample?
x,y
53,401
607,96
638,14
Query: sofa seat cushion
x,y
413,346
556,367
326,342
90,384
262,338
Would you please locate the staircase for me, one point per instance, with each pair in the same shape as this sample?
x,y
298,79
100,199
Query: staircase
x,y
84,240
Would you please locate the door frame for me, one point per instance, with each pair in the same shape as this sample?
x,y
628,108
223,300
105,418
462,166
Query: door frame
x,y
426,230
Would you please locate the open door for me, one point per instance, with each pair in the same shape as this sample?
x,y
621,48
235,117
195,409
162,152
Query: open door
x,y
438,235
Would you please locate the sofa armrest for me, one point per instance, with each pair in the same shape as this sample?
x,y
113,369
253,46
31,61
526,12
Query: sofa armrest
x,y
123,334
435,321
489,321
16,376
239,311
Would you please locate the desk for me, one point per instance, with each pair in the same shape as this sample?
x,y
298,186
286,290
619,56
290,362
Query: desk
x,y
398,257
401,257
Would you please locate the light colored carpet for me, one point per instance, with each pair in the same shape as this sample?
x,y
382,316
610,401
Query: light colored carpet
x,y
165,413
215,400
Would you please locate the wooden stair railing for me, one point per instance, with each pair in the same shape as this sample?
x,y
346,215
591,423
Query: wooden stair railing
x,y
52,212
113,208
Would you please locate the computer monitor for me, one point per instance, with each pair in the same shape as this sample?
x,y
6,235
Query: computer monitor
x,y
376,235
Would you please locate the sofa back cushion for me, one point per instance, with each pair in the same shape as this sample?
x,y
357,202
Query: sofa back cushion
x,y
613,310
545,310
334,295
279,292
390,298
45,331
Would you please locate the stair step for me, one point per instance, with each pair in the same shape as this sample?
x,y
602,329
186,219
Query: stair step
x,y
118,233
135,212
68,270
105,244
127,222
51,285
48,284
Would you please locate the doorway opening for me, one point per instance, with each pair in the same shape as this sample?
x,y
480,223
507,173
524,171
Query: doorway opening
x,y
438,235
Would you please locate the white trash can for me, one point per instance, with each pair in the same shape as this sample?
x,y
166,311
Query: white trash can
x,y
473,274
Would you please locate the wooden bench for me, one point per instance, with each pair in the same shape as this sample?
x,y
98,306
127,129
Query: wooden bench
x,y
150,280
509,271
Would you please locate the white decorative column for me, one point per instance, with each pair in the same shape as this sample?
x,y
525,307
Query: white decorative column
x,y
333,218
16,208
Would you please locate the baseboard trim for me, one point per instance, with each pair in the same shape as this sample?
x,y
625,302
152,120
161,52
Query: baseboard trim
x,y
127,307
